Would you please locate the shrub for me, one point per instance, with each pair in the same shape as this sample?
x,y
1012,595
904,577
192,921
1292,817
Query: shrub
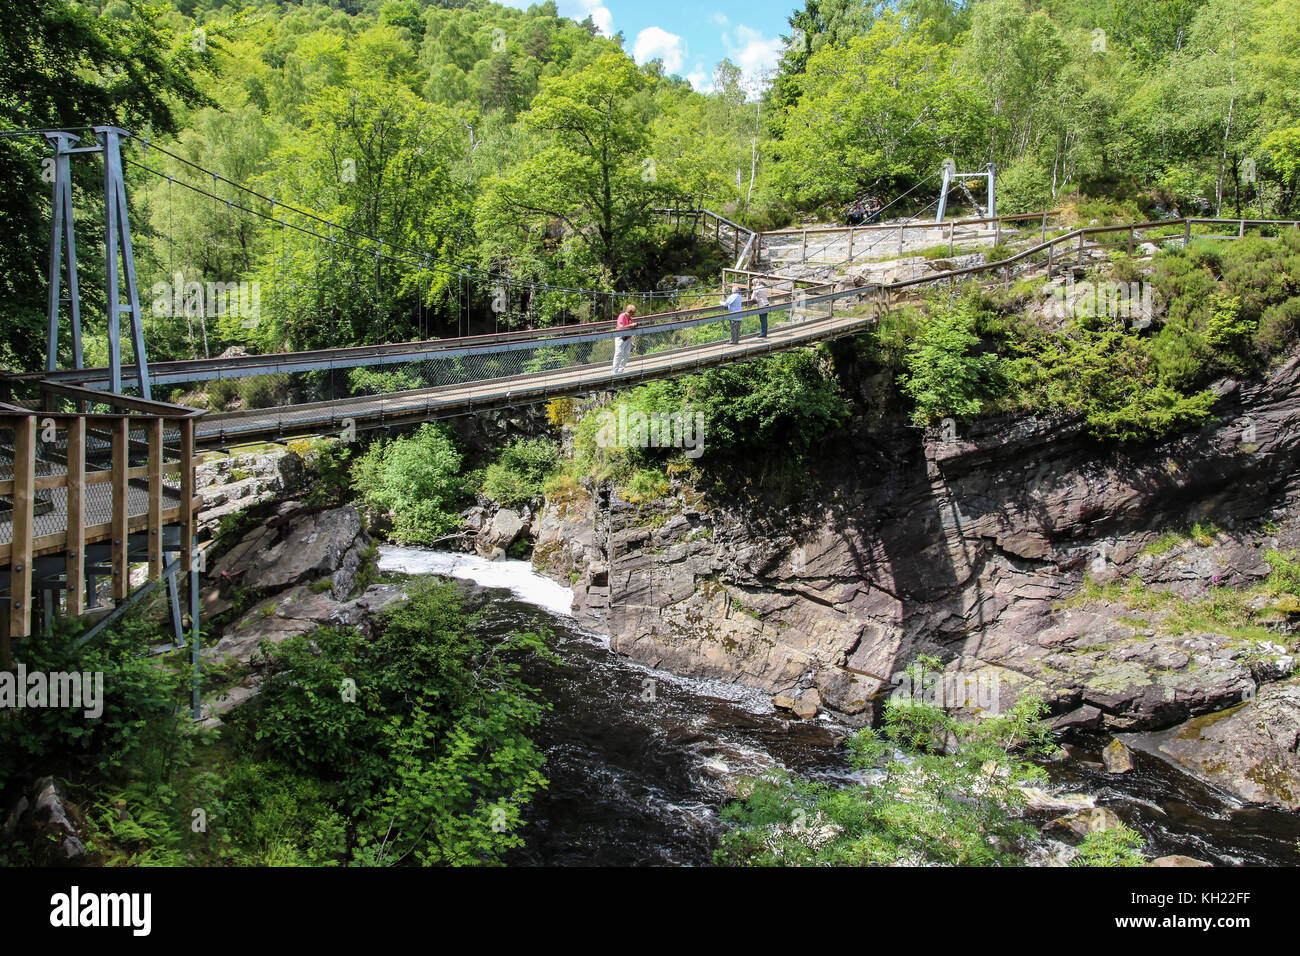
x,y
644,485
519,474
1120,846
264,391
432,761
924,803
138,732
221,393
416,480
945,376
1024,185
773,411
559,411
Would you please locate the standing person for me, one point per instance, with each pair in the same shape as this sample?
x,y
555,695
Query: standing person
x,y
762,299
734,303
623,343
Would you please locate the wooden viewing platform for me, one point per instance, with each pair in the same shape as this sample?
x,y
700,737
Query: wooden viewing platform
x,y
83,494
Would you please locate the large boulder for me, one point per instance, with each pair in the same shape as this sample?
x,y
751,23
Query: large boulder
x,y
297,611
295,547
1252,750
506,526
327,543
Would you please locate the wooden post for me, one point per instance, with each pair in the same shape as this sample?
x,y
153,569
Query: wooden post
x,y
803,249
1042,234
900,238
1241,228
75,551
1080,247
118,482
155,490
850,244
1132,236
20,553
1187,233
997,232
735,243
1050,250
951,231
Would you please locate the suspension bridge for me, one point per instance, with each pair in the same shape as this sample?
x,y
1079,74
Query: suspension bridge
x,y
97,474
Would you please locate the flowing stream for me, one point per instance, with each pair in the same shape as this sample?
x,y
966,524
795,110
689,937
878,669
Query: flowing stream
x,y
639,760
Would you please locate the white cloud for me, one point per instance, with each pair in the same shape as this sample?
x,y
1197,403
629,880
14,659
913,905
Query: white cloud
x,y
752,52
719,18
701,79
657,43
581,9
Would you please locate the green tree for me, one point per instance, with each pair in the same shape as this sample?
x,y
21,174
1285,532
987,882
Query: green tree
x,y
374,160
592,172
946,375
66,67
888,106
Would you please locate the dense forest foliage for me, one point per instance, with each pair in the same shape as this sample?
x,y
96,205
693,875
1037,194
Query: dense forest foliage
x,y
502,156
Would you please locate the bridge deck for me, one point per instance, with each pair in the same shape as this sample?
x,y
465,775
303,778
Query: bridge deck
x,y
451,400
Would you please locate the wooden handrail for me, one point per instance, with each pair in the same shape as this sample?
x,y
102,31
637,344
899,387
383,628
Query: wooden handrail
x,y
146,405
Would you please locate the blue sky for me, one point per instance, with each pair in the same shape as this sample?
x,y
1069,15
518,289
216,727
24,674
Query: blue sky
x,y
691,36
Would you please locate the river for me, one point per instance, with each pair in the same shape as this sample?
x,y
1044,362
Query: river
x,y
639,760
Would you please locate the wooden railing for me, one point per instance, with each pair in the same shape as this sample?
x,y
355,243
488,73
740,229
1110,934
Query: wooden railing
x,y
742,241
60,457
1077,245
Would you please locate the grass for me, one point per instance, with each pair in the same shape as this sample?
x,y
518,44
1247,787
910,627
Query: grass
x,y
644,485
1202,534
1238,614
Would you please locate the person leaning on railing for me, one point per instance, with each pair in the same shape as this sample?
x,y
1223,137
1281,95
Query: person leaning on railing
x,y
623,343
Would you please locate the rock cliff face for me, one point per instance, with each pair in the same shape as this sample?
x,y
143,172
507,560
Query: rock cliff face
x,y
973,549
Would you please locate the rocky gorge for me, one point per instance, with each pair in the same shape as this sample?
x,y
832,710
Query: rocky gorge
x,y
1023,554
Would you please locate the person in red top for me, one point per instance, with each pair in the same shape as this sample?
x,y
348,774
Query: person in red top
x,y
623,343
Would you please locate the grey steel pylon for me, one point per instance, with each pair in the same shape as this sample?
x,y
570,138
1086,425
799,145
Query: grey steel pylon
x,y
62,239
117,245
117,239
